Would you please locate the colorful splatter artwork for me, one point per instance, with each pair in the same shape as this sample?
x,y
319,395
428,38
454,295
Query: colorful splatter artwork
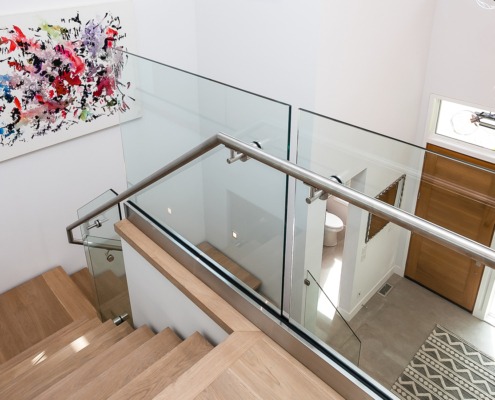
x,y
59,74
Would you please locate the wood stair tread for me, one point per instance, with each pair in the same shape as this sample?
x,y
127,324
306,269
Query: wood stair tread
x,y
247,365
234,268
84,281
128,367
45,348
69,295
112,291
108,286
60,354
166,370
117,306
211,366
44,374
29,313
98,365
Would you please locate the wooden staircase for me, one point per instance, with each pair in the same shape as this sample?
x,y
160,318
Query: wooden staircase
x,y
54,347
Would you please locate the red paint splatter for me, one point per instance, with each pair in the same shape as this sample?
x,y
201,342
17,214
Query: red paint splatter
x,y
61,83
106,84
76,61
111,34
20,34
12,46
16,65
17,103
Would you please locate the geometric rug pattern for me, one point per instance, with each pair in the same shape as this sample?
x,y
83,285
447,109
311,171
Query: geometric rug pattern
x,y
447,367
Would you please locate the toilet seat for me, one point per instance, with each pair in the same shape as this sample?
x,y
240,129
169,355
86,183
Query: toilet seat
x,y
333,222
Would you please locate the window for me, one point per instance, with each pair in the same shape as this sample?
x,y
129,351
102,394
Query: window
x,y
465,123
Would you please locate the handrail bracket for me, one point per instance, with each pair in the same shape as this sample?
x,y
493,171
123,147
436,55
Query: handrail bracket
x,y
315,194
236,156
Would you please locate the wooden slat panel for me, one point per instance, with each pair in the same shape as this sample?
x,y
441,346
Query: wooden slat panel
x,y
71,298
128,367
166,370
98,365
459,197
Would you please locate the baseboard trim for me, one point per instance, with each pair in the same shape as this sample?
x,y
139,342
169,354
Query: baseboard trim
x,y
350,315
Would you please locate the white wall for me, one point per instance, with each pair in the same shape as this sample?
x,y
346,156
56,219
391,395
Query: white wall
x,y
267,47
166,32
461,57
42,191
359,61
372,63
159,304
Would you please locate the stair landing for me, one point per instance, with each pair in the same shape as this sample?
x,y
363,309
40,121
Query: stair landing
x,y
38,308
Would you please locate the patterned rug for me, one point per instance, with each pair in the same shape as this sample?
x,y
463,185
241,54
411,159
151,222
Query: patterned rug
x,y
447,367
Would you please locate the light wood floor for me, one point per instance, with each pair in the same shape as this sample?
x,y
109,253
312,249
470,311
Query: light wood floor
x,y
76,356
38,308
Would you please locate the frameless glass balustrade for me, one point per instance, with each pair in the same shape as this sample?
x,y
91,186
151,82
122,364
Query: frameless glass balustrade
x,y
361,260
103,251
326,324
233,213
108,271
171,111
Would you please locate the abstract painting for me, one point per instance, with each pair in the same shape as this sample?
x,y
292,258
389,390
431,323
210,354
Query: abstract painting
x,y
60,75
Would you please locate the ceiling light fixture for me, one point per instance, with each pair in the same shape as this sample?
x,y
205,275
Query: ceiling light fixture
x,y
486,4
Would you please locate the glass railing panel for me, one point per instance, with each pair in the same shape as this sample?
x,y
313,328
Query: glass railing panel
x,y
323,319
108,270
103,252
232,213
170,111
390,285
415,179
101,225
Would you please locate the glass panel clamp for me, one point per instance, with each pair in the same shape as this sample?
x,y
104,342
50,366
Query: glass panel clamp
x,y
315,194
235,156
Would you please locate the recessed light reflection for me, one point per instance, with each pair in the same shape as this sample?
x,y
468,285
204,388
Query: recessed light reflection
x,y
39,358
79,344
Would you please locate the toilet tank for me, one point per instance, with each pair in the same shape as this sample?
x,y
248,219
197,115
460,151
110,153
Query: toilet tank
x,y
338,207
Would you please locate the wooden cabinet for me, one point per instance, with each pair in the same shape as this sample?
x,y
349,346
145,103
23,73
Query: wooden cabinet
x,y
458,195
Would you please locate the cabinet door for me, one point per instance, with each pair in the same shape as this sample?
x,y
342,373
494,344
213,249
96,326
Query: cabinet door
x,y
459,197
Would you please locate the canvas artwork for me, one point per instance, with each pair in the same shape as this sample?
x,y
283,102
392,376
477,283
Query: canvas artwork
x,y
60,75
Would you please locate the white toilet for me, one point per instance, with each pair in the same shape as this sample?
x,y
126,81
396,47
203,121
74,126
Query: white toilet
x,y
333,225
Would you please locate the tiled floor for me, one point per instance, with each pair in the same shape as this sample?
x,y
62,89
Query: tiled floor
x,y
392,328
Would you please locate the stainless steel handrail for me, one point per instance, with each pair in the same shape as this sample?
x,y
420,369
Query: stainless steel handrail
x,y
95,245
186,158
452,240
